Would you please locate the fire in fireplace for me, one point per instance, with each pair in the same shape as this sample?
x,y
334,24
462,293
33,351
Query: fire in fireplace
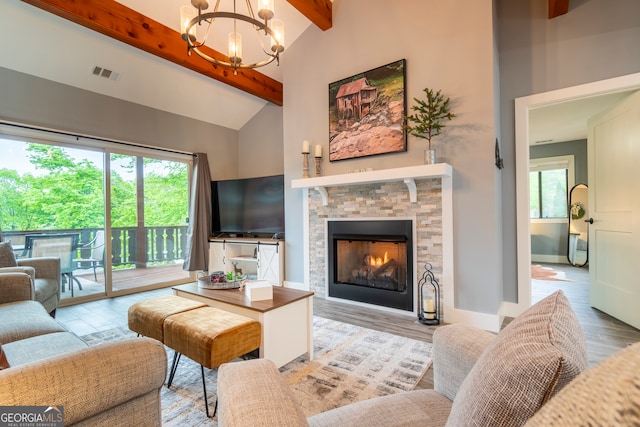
x,y
370,262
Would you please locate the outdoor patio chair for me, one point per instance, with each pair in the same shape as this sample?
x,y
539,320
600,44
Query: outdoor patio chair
x,y
96,254
62,246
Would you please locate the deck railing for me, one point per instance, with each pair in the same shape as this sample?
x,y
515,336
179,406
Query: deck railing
x,y
129,245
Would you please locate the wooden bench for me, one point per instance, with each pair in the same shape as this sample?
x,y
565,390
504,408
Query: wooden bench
x,y
208,336
147,317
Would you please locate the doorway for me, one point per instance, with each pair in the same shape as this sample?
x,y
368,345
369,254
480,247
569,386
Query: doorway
x,y
523,107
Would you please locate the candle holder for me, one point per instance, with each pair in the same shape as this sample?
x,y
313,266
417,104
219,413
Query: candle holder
x,y
318,160
429,298
305,165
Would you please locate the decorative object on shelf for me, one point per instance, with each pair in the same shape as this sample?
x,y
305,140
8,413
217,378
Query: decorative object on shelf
x,y
428,119
429,298
318,157
305,159
192,17
366,111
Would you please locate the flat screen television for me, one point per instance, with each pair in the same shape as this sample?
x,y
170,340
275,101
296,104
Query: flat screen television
x,y
249,206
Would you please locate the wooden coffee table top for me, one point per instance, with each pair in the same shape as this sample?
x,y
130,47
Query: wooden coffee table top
x,y
281,296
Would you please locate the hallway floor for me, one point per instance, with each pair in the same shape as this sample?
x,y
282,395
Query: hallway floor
x,y
604,334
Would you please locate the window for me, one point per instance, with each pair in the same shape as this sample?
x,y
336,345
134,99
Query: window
x,y
549,181
127,205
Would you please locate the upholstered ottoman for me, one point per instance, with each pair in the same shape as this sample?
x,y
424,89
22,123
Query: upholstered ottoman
x,y
210,336
147,317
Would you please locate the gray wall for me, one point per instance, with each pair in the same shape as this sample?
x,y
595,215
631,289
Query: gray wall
x,y
254,150
260,148
576,148
596,40
35,101
448,46
552,238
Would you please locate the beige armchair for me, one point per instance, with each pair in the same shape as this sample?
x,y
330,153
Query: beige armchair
x,y
479,379
36,279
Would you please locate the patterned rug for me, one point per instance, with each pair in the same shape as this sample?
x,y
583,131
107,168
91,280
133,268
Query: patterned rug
x,y
350,364
539,272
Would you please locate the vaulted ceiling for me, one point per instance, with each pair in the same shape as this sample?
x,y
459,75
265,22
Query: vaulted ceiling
x,y
129,26
139,41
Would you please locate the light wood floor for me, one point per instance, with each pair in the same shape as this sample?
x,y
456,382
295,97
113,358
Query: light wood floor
x,y
605,335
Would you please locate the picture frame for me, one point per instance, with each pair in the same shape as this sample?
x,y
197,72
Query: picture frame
x,y
367,113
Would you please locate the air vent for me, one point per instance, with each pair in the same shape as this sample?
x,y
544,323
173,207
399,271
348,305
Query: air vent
x,y
105,73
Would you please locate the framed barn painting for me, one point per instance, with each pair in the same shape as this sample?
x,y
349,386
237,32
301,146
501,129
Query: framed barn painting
x,y
366,113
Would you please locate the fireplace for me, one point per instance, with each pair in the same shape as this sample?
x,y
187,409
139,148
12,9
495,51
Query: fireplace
x,y
371,261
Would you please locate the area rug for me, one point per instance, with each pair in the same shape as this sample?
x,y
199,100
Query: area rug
x,y
539,272
350,364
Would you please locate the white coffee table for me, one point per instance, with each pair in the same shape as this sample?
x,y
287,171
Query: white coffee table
x,y
287,319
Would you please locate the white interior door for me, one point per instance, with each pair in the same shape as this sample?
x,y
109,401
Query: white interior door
x,y
614,235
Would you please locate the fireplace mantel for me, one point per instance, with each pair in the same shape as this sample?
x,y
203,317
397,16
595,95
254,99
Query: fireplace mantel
x,y
407,174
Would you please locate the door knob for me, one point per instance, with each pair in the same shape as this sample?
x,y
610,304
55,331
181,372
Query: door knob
x,y
590,220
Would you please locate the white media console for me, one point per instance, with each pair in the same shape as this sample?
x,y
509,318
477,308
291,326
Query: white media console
x,y
259,259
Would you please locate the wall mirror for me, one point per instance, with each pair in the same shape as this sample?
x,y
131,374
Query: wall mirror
x,y
578,247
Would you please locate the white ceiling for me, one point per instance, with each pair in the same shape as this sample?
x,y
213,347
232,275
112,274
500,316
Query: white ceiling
x,y
38,43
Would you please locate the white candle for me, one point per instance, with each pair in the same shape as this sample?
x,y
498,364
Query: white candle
x,y
318,150
305,147
429,308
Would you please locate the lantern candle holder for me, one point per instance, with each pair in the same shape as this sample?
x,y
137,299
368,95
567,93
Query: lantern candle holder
x,y
429,298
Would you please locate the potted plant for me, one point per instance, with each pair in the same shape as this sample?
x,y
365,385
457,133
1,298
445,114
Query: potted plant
x,y
428,118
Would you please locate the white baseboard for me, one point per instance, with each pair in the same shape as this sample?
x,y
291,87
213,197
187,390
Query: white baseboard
x,y
488,322
549,259
512,309
296,285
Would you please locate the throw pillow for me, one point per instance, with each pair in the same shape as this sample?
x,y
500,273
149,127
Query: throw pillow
x,y
7,257
4,363
606,395
529,361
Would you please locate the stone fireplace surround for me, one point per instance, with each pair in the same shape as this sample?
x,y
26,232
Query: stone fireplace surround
x,y
420,193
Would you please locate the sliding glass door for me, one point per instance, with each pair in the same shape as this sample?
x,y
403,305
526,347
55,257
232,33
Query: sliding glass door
x,y
149,207
55,190
127,211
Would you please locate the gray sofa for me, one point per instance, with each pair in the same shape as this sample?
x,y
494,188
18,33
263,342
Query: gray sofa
x,y
113,384
480,379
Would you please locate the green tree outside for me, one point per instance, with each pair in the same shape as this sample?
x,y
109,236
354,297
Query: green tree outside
x,y
67,193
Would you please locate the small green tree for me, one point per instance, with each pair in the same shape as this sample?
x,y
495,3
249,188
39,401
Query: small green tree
x,y
429,115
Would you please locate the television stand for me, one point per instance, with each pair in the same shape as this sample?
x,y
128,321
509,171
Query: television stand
x,y
258,258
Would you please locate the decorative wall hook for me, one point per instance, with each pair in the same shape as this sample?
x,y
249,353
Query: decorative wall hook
x,y
499,162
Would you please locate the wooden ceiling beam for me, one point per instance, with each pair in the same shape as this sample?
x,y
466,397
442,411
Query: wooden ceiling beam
x,y
115,20
558,7
320,12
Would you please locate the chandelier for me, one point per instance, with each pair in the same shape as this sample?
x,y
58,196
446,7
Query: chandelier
x,y
269,32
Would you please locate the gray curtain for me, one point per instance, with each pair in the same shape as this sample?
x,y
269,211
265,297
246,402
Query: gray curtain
x,y
199,230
